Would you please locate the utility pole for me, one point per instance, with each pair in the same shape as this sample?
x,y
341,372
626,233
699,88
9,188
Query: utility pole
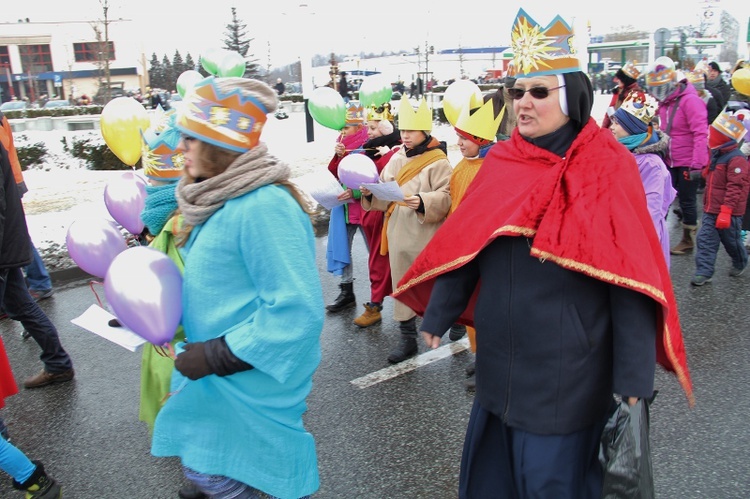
x,y
107,78
334,72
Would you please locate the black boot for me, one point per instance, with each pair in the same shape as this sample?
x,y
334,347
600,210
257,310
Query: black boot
x,y
344,299
407,345
40,485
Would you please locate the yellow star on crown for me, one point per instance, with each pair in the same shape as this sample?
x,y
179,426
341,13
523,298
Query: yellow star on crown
x,y
219,116
530,46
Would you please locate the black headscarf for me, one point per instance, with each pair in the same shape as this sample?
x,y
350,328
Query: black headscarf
x,y
580,97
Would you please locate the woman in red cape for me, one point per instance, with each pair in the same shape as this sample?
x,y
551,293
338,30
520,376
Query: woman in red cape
x,y
553,258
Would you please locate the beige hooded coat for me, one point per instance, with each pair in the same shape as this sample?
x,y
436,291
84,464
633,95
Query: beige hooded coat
x,y
408,231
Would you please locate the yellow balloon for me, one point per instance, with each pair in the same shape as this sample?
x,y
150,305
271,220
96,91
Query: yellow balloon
x,y
459,94
121,121
741,81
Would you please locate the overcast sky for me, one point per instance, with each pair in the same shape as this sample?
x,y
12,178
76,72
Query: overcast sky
x,y
331,25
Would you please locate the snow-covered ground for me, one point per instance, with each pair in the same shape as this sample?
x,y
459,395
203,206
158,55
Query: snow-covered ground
x,y
62,190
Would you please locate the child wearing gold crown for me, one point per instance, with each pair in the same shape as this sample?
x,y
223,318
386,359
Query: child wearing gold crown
x,y
626,79
548,256
252,305
727,186
347,218
631,126
422,170
383,141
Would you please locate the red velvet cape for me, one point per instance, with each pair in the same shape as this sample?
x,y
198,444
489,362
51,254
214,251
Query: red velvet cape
x,y
7,381
585,212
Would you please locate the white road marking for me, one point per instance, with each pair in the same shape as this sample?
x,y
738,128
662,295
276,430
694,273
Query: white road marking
x,y
411,364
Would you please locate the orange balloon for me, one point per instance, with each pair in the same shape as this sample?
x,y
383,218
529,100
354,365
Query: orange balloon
x,y
121,122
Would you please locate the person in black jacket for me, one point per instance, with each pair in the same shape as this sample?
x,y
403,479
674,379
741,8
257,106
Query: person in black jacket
x,y
15,253
716,83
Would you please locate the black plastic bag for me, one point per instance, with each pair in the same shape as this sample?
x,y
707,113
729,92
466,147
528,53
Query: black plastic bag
x,y
625,452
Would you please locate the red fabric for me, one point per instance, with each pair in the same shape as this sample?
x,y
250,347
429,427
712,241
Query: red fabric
x,y
7,381
379,266
586,212
716,138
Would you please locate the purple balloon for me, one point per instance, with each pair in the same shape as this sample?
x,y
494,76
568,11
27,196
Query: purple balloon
x,y
144,288
125,198
357,169
93,244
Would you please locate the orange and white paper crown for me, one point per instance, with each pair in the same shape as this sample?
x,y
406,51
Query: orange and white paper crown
x,y
730,126
231,120
631,70
662,71
541,51
355,113
160,157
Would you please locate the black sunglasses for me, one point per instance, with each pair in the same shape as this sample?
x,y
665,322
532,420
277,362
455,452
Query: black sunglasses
x,y
536,92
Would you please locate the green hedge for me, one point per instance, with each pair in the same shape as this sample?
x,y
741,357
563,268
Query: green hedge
x,y
97,155
60,111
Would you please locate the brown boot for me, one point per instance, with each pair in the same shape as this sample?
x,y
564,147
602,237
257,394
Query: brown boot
x,y
370,316
687,244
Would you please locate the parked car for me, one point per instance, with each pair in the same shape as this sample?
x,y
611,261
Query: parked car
x,y
52,104
13,105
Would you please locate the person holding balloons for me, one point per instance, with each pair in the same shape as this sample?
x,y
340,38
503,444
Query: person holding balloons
x,y
252,305
345,219
162,165
384,140
422,171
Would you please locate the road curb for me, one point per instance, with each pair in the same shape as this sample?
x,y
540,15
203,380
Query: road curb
x,y
72,274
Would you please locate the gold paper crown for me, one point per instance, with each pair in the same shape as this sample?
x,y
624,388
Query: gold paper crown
x,y
640,105
661,72
482,123
730,126
409,119
631,70
538,52
698,74
380,113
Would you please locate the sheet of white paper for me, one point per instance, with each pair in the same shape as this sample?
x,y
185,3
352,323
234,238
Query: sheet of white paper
x,y
323,187
96,320
387,191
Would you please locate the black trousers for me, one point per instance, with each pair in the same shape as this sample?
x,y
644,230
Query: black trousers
x,y
500,462
687,193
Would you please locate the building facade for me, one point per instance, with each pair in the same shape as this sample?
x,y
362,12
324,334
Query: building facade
x,y
66,60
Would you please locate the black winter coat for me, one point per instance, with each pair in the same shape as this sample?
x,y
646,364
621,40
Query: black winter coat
x,y
15,243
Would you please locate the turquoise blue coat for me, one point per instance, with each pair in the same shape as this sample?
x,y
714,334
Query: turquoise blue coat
x,y
250,275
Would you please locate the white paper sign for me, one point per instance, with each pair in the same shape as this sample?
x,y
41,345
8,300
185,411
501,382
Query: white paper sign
x,y
323,187
387,191
96,320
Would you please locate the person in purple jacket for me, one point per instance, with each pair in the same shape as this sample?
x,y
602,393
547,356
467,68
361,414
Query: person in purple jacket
x,y
631,126
683,117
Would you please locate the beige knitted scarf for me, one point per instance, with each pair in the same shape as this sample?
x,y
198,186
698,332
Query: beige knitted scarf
x,y
253,169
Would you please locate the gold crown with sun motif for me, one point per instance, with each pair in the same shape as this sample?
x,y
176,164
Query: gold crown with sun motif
x,y
541,51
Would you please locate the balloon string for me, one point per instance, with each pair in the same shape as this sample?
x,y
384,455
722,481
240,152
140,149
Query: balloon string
x,y
91,285
178,390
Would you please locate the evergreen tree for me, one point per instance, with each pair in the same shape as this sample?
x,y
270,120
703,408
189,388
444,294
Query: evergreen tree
x,y
155,72
189,62
169,77
178,66
236,40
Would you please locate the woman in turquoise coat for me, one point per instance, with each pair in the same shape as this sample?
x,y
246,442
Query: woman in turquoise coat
x,y
252,305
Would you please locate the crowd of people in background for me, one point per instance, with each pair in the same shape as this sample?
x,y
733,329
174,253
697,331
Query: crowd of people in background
x,y
561,220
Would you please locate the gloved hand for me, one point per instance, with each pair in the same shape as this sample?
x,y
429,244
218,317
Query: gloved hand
x,y
724,220
192,363
382,150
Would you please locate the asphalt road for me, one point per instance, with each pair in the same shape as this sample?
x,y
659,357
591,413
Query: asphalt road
x,y
398,438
